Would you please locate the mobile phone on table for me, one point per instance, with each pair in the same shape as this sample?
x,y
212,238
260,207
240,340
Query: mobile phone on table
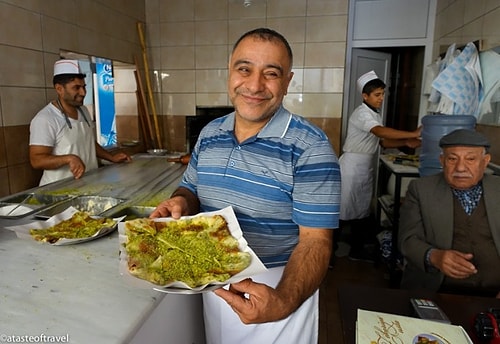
x,y
427,309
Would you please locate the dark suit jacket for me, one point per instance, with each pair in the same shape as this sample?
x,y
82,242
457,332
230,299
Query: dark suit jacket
x,y
427,221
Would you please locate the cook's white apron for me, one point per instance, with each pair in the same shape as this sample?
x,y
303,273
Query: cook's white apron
x,y
223,326
357,170
79,140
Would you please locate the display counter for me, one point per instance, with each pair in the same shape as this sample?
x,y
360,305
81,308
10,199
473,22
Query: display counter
x,y
75,292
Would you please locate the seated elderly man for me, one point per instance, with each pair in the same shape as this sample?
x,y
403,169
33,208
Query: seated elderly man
x,y
450,222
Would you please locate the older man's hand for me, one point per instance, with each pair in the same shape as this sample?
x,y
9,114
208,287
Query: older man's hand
x,y
453,263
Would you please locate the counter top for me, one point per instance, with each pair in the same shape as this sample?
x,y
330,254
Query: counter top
x,y
76,290
398,168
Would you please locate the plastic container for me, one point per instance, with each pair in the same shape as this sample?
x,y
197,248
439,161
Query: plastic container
x,y
433,128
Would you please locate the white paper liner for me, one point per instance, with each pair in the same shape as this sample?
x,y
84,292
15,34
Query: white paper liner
x,y
23,231
256,266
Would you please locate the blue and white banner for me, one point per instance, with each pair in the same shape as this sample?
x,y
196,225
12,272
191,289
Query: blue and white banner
x,y
105,102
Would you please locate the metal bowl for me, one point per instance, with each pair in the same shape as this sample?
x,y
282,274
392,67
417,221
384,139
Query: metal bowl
x,y
157,151
94,205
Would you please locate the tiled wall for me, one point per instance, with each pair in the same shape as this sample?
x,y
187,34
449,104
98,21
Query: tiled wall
x,y
32,33
463,21
190,42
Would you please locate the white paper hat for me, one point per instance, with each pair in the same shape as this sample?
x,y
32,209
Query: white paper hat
x,y
67,67
364,79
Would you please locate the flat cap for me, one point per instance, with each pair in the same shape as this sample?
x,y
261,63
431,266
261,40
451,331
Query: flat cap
x,y
464,137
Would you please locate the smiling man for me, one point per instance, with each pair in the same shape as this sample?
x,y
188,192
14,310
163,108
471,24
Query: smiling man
x,y
449,223
62,134
281,176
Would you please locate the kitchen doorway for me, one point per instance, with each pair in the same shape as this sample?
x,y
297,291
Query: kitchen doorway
x,y
403,80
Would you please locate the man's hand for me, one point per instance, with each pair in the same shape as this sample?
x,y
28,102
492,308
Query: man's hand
x,y
413,143
121,157
176,207
453,263
258,303
76,165
254,303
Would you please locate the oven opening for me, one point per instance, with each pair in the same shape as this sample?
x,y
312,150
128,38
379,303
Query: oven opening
x,y
204,114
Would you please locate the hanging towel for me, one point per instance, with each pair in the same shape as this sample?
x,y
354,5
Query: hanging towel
x,y
490,68
451,52
460,81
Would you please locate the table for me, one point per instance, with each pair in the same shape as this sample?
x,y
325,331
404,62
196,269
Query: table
x,y
391,206
460,309
76,291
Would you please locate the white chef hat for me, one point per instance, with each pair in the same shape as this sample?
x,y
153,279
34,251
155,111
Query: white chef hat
x,y
364,79
67,67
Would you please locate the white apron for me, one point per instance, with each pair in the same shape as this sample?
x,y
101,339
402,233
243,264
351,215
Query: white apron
x,y
357,171
79,140
223,326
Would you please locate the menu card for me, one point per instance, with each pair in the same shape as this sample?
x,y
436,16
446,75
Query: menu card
x,y
377,327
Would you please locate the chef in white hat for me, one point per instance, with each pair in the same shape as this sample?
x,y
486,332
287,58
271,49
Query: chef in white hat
x,y
62,134
365,132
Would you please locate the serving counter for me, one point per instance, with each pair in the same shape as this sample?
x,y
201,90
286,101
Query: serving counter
x,y
75,292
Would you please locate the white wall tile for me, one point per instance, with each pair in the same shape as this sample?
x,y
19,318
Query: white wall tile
x,y
293,29
178,103
177,57
211,56
178,33
323,80
290,8
327,7
178,81
211,80
212,99
211,32
210,10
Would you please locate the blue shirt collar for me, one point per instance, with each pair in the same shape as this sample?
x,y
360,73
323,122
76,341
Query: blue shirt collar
x,y
276,127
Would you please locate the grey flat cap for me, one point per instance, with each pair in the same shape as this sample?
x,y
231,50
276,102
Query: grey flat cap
x,y
464,137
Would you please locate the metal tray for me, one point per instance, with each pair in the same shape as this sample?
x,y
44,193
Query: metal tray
x,y
24,204
94,205
131,212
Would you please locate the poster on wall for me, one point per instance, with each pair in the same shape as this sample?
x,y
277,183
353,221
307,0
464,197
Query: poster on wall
x,y
105,102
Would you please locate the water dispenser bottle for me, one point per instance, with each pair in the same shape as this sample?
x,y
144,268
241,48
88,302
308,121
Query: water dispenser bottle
x,y
433,128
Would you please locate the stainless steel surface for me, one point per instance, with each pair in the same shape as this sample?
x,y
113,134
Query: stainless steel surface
x,y
94,205
142,182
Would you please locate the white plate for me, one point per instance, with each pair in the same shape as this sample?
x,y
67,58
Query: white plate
x,y
256,266
23,231
184,291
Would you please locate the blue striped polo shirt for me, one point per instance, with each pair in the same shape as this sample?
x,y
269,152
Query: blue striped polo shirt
x,y
285,176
